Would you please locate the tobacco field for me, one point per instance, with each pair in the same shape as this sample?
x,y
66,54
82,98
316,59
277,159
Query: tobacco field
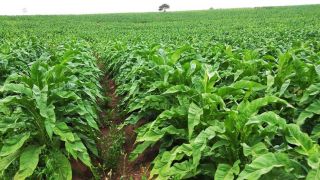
x,y
216,94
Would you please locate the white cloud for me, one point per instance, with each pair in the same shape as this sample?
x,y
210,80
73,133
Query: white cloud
x,y
18,7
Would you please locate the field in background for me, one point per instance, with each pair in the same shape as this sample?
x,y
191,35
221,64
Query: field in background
x,y
223,94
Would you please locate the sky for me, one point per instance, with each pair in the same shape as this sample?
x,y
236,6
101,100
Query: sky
x,y
31,7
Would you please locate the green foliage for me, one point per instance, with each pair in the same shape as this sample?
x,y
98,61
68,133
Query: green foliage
x,y
50,111
236,117
224,94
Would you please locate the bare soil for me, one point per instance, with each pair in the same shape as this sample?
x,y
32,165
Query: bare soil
x,y
140,168
136,170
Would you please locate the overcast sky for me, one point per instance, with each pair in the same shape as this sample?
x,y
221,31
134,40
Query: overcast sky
x,y
18,7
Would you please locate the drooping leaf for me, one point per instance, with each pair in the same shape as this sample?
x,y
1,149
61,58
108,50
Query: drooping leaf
x,y
312,90
194,114
314,163
315,134
312,109
270,118
303,116
270,82
46,110
28,162
262,165
227,172
13,144
61,129
200,143
245,84
17,88
183,170
284,87
237,74
163,163
301,140
253,106
177,54
60,166
313,174
78,151
176,89
256,150
139,149
7,160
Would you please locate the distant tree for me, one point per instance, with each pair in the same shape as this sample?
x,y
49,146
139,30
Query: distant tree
x,y
164,7
24,10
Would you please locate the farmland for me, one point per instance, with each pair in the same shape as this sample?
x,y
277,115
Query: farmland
x,y
219,94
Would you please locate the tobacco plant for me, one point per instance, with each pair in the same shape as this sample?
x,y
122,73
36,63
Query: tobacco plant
x,y
48,115
224,119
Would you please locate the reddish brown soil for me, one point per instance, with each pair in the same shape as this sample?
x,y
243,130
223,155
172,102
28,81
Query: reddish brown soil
x,y
80,171
136,170
139,168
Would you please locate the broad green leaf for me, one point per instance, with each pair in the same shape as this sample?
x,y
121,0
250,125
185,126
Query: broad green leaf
x,y
309,112
237,74
200,143
248,109
312,90
251,85
314,160
270,82
270,118
60,166
227,172
314,163
67,95
46,110
183,170
213,100
7,160
314,107
284,87
253,106
155,134
313,174
301,140
61,129
315,134
262,165
10,123
41,97
317,68
8,100
194,114
49,126
13,144
176,89
219,144
139,149
303,116
83,109
255,151
78,151
177,54
209,79
163,163
29,159
17,88
4,109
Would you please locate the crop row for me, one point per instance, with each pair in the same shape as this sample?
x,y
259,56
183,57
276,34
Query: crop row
x,y
224,112
48,109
